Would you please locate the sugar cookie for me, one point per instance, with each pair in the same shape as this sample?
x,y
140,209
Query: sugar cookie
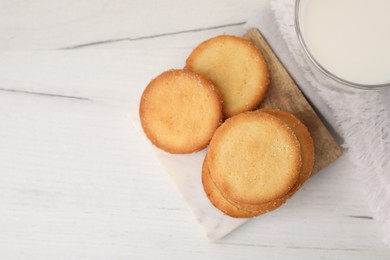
x,y
236,67
180,110
254,158
306,144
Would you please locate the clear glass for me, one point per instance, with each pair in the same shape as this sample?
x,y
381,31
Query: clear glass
x,y
316,64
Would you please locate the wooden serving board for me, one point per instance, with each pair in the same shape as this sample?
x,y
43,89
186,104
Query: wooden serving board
x,y
284,94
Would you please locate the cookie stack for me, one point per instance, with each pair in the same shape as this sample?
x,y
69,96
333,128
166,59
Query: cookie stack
x,y
256,159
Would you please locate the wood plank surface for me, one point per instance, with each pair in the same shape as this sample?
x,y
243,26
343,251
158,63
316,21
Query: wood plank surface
x,y
78,182
284,94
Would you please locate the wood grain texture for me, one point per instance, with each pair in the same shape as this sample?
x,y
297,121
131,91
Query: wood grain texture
x,y
71,24
78,182
284,94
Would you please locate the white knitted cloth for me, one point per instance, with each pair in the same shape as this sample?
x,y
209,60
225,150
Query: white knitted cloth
x,y
362,118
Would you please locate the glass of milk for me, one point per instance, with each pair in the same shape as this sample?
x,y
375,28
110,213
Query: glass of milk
x,y
347,40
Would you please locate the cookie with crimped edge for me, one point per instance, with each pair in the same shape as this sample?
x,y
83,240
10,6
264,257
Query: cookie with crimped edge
x,y
180,110
254,158
236,67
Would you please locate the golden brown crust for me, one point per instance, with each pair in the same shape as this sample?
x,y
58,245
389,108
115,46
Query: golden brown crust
x,y
230,208
220,202
254,158
307,151
306,144
180,110
262,207
237,68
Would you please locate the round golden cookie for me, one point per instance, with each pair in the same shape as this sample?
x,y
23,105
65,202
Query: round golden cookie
x,y
254,158
236,67
230,208
306,143
307,153
180,110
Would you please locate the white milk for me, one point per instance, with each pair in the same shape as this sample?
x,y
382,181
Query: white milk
x,y
349,38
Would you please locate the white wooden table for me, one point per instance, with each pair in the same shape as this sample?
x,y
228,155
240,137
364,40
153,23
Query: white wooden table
x,y
76,179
